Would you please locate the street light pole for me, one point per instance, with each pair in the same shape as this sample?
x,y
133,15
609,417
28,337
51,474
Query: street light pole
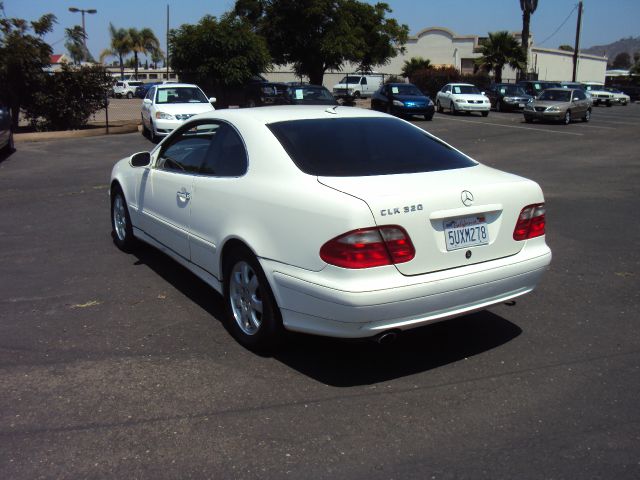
x,y
84,31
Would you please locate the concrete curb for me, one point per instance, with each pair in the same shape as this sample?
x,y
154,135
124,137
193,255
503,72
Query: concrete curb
x,y
92,132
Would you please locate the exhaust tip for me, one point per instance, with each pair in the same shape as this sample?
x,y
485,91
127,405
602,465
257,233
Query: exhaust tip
x,y
386,338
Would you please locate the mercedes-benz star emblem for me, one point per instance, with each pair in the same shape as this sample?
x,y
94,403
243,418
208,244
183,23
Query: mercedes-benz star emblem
x,y
467,198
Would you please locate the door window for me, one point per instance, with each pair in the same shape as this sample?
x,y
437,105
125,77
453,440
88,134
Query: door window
x,y
187,149
226,156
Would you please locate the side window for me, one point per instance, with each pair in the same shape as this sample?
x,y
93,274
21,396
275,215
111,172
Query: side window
x,y
364,81
226,156
150,93
187,150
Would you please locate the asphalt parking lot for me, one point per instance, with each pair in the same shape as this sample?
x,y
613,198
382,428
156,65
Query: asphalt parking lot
x,y
115,365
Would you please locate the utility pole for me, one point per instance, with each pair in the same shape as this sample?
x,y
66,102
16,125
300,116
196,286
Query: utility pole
x,y
577,46
84,31
166,61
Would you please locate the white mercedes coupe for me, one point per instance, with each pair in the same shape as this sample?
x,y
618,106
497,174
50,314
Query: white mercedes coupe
x,y
333,221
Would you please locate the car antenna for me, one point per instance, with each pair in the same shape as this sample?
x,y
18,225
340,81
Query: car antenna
x,y
332,110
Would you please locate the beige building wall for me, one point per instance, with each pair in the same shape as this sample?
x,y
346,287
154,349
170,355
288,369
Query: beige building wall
x,y
558,65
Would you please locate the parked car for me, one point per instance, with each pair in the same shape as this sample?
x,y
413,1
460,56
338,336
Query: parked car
x,y
559,104
599,94
619,96
536,87
167,105
7,144
402,99
462,97
305,94
507,97
141,90
126,88
352,87
341,222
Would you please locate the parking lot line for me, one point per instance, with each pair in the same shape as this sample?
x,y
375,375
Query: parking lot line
x,y
543,130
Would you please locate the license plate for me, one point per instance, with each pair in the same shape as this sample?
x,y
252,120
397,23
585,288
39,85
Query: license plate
x,y
465,232
521,105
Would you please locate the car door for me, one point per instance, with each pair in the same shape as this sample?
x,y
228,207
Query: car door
x,y
147,102
218,195
166,190
581,102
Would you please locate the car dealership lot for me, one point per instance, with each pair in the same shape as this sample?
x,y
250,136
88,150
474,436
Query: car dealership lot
x,y
115,365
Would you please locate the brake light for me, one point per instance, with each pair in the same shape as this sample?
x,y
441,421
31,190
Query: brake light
x,y
369,247
531,222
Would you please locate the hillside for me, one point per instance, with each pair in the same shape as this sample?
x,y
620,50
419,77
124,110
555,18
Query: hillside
x,y
629,45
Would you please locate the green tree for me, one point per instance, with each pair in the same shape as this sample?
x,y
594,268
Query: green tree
x,y
413,65
23,58
317,35
120,46
621,61
143,42
157,57
528,7
216,53
75,45
500,49
69,98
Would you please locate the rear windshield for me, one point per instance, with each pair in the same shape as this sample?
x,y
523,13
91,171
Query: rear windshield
x,y
355,147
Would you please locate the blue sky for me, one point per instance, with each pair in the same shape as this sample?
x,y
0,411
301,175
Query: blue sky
x,y
604,21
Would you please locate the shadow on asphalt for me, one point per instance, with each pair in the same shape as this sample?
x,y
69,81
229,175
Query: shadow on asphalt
x,y
348,363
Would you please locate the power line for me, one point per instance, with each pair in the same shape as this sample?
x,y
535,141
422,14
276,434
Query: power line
x,y
561,25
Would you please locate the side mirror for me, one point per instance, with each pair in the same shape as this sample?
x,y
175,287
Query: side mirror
x,y
146,100
140,159
212,100
483,93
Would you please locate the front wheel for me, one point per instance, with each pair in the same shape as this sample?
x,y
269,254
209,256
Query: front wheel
x,y
253,315
122,229
452,107
428,117
439,107
129,95
485,114
498,106
587,116
567,118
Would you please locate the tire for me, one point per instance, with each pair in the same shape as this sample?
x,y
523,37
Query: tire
x,y
253,317
129,95
485,114
567,117
145,130
122,230
528,120
609,104
389,110
498,106
587,115
152,133
251,103
10,147
356,95
428,118
439,107
452,107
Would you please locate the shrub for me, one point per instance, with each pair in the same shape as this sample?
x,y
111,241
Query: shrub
x,y
69,98
431,80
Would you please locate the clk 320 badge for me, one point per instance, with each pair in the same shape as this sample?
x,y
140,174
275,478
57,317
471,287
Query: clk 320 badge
x,y
398,210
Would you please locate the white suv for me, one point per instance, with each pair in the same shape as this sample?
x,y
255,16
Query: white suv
x,y
126,88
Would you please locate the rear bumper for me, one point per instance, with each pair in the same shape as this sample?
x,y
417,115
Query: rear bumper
x,y
319,303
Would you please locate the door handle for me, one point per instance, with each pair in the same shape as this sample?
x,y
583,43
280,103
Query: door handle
x,y
183,195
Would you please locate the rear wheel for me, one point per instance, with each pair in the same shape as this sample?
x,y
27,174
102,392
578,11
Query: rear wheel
x,y
485,114
439,107
428,117
567,117
498,106
452,107
587,116
253,315
528,119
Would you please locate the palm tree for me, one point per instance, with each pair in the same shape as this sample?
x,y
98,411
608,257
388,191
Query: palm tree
x,y
143,42
75,43
527,7
414,65
120,46
500,49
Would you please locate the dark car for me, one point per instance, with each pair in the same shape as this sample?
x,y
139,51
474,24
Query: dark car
x,y
141,90
6,133
507,97
302,94
535,87
402,99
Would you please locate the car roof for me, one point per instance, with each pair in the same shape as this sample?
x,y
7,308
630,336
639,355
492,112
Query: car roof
x,y
400,84
562,89
282,113
174,85
462,84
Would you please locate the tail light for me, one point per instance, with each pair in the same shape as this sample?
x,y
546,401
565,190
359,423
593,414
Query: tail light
x,y
369,247
531,222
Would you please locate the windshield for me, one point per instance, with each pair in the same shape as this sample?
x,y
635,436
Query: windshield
x,y
180,95
511,90
355,147
468,89
406,90
555,96
350,80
